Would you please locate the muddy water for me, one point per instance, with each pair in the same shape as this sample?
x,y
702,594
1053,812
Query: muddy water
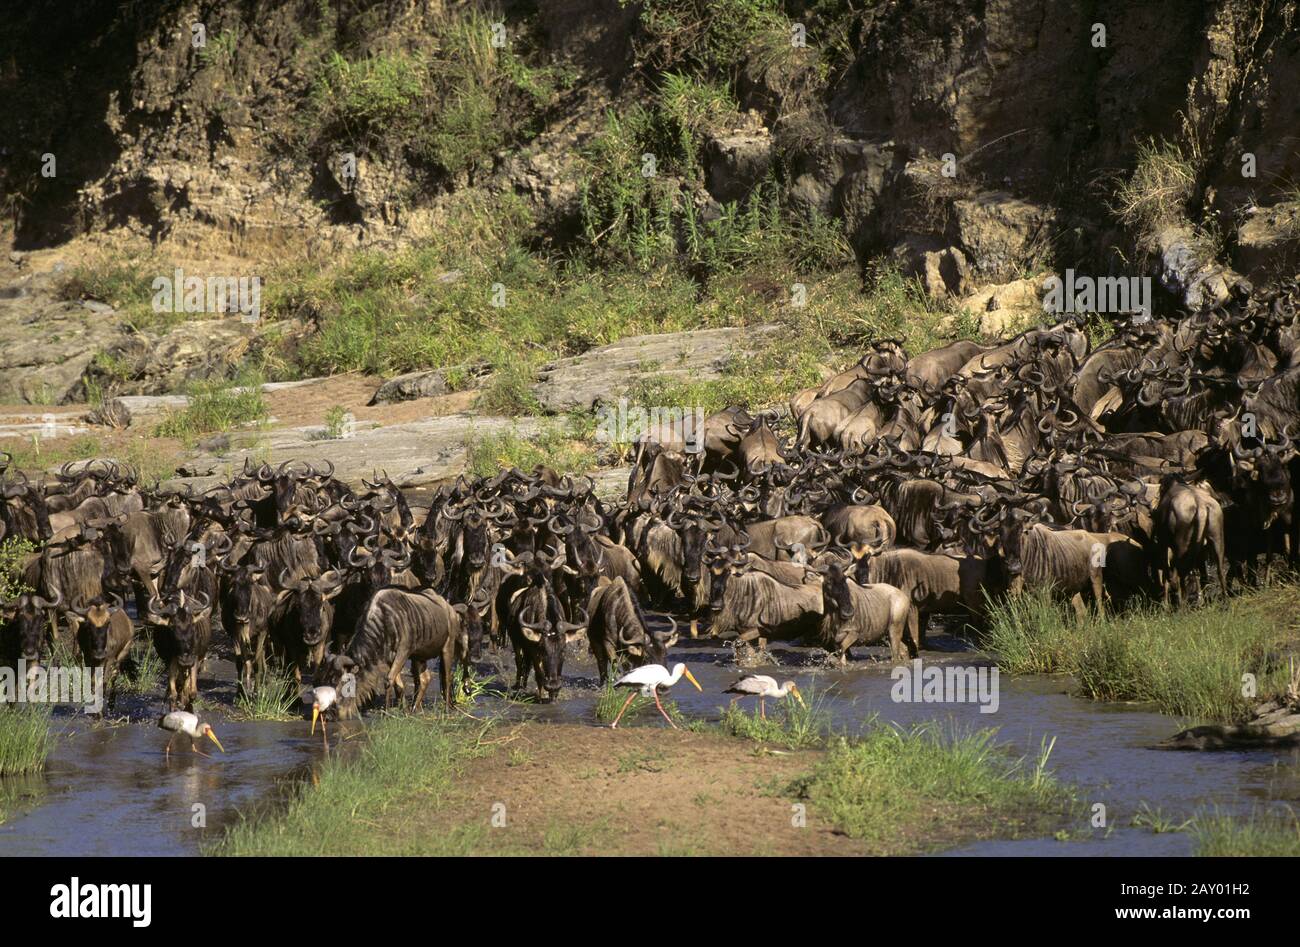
x,y
109,790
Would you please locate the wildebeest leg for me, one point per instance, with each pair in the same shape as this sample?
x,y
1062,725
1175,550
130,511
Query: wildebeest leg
x,y
395,676
446,670
1099,592
173,680
521,669
917,621
897,649
422,676
1080,609
539,675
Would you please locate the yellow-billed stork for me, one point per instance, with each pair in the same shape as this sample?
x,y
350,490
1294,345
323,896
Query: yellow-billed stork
x,y
648,679
762,687
182,721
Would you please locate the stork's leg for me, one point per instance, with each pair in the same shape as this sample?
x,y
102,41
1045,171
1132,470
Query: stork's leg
x,y
621,712
762,707
167,752
194,747
655,692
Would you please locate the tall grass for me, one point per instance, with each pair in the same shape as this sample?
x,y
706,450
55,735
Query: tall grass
x,y
274,697
1267,834
789,723
25,739
1189,662
15,552
892,778
216,406
552,446
404,756
143,672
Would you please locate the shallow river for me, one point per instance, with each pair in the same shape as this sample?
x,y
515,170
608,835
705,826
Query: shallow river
x,y
109,790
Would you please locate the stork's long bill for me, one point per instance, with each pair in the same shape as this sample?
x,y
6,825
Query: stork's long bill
x,y
213,737
691,677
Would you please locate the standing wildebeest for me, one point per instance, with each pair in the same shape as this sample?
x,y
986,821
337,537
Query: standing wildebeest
x,y
748,600
301,619
105,636
617,630
400,625
248,606
27,619
1187,534
863,614
934,582
182,635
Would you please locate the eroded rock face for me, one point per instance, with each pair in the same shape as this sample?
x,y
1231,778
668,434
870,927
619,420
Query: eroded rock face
x,y
1268,243
1000,233
738,160
52,348
601,375
942,270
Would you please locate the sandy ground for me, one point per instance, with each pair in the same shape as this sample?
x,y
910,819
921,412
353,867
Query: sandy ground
x,y
640,790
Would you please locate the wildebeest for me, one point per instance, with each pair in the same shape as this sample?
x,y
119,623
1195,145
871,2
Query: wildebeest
x,y
105,636
863,614
400,626
617,631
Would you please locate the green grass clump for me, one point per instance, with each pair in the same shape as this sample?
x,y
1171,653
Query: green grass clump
x,y
553,446
25,739
1262,834
1158,191
215,406
404,756
446,108
789,723
124,280
142,671
1189,662
274,697
891,780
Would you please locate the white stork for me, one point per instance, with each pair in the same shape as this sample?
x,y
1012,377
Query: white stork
x,y
762,687
182,721
649,678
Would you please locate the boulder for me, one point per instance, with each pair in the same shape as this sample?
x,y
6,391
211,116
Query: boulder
x,y
1003,307
423,384
1268,243
602,374
942,269
736,161
1189,271
1000,234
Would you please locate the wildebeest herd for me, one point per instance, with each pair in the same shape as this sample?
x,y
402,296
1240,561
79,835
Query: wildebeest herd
x,y
902,489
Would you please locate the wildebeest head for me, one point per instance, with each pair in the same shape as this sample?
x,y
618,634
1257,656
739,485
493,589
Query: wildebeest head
x,y
723,564
472,614
836,595
1262,473
179,616
96,618
246,580
312,599
551,637
24,509
30,622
